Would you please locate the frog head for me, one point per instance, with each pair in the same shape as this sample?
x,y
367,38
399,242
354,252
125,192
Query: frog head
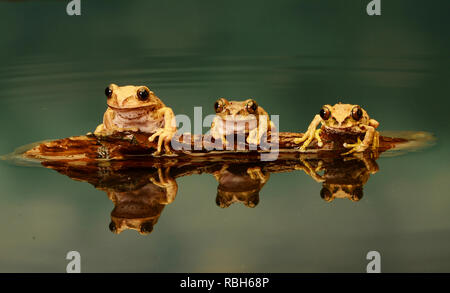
x,y
343,116
236,110
130,97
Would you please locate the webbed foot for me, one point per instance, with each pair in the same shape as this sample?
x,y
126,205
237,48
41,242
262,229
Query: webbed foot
x,y
255,173
253,140
307,138
164,137
357,147
167,182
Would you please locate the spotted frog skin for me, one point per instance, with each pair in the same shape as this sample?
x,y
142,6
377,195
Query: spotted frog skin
x,y
137,108
240,117
343,118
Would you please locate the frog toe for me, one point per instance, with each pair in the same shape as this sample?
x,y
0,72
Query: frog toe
x,y
302,148
251,140
357,147
154,135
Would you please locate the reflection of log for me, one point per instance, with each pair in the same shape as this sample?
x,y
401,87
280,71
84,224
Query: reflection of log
x,y
123,166
128,145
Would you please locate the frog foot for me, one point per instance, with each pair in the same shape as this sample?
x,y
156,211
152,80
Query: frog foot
x,y
104,133
168,183
255,173
308,137
357,147
128,129
306,167
164,137
224,142
164,179
253,140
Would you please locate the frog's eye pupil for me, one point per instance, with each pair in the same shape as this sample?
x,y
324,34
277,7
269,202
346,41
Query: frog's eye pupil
x,y
357,113
108,92
143,94
324,113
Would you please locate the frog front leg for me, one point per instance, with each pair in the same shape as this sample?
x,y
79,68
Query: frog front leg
x,y
256,173
255,135
310,134
168,183
218,173
106,128
370,138
216,133
306,167
165,134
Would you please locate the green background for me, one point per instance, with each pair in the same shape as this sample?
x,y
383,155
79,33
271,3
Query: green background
x,y
292,57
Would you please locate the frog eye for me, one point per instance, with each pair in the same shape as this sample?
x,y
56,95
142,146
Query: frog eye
x,y
357,113
146,227
325,113
143,94
108,92
252,106
325,194
112,227
357,194
219,105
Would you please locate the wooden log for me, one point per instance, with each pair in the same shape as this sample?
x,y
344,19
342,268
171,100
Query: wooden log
x,y
128,145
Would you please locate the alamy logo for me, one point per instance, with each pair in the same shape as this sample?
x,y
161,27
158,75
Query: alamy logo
x,y
74,265
374,8
74,8
374,265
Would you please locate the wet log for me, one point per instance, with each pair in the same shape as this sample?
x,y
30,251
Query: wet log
x,y
129,145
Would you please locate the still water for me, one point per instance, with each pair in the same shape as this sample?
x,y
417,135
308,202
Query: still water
x,y
290,56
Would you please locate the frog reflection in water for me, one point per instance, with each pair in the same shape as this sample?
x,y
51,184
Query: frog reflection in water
x,y
239,184
342,177
139,209
137,108
245,117
343,119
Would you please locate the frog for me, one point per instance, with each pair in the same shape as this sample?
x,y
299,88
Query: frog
x,y
341,177
139,207
137,108
239,183
345,119
243,116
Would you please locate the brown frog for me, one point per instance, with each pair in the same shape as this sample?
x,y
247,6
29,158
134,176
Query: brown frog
x,y
345,119
342,177
137,108
236,117
239,184
140,208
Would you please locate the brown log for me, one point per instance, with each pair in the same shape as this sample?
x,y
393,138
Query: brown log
x,y
129,145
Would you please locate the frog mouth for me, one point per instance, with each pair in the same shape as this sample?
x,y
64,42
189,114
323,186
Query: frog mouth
x,y
346,129
127,109
148,107
233,125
